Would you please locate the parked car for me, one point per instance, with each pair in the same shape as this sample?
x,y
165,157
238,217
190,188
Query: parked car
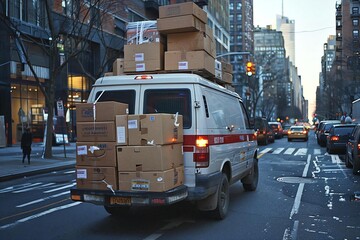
x,y
277,128
352,156
297,132
321,125
324,132
286,129
264,132
338,137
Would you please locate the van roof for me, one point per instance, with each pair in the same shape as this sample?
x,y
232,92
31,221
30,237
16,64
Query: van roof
x,y
160,78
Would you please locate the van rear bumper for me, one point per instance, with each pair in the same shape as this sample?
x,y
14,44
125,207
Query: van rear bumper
x,y
205,186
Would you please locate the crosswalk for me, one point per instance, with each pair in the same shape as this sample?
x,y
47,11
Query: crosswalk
x,y
293,151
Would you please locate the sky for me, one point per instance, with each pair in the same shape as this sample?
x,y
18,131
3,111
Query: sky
x,y
314,22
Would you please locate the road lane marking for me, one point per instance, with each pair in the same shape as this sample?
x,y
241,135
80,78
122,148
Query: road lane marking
x,y
295,208
60,188
289,151
317,151
40,214
32,188
301,151
43,199
278,150
265,150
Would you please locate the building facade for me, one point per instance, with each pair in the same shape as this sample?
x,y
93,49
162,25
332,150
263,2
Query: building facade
x,y
22,102
241,42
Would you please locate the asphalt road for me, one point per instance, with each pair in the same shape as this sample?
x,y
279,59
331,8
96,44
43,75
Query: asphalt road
x,y
303,193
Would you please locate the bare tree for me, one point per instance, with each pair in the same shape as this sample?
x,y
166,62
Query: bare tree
x,y
67,36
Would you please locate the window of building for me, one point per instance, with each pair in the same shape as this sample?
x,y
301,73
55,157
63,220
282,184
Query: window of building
x,y
355,10
338,23
239,17
355,22
238,6
355,33
231,17
231,6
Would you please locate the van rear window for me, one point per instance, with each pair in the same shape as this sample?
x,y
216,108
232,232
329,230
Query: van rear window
x,y
169,101
123,96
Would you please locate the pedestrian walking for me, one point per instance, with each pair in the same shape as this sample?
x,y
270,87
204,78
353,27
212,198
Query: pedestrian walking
x,y
26,141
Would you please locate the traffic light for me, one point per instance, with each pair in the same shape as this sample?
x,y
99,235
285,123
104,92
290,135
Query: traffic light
x,y
250,68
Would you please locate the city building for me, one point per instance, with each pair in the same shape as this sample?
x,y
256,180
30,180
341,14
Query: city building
x,y
25,33
241,42
287,27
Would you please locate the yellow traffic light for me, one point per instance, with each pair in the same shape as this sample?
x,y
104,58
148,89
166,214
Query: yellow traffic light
x,y
249,68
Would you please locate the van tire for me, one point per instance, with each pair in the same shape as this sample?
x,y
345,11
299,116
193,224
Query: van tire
x,y
250,182
356,167
223,199
118,210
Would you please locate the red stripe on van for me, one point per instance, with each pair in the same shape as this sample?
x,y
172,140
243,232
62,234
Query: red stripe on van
x,y
190,140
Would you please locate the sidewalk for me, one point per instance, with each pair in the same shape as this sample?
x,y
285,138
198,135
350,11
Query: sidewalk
x,y
11,165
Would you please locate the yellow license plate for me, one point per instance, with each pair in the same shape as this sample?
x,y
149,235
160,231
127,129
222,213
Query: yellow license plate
x,y
120,200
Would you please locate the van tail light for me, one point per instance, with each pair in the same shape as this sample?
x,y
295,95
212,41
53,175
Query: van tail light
x,y
334,138
201,154
358,146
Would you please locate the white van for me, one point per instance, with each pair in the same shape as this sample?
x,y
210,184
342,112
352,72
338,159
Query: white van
x,y
220,147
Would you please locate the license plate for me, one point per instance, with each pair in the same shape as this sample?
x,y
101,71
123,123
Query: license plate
x,y
120,201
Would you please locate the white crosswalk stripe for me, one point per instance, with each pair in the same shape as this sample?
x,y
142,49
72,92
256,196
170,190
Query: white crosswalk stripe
x,y
290,151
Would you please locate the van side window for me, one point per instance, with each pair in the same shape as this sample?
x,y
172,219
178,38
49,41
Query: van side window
x,y
246,117
224,110
206,107
123,96
169,101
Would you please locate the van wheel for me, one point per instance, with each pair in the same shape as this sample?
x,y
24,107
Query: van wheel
x,y
250,182
222,200
118,210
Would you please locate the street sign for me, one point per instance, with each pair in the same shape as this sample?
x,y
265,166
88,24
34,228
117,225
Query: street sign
x,y
60,108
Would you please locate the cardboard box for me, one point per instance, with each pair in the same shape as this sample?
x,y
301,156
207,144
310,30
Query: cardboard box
x,y
96,154
96,131
143,32
151,181
187,23
149,158
104,111
193,60
96,178
227,77
191,41
154,129
226,67
144,57
180,9
118,67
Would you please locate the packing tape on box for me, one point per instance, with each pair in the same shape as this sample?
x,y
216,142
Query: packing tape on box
x,y
94,106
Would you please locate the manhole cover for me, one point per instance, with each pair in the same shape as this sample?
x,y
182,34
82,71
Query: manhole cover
x,y
295,180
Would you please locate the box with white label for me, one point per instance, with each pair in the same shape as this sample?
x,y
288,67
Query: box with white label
x,y
100,154
96,178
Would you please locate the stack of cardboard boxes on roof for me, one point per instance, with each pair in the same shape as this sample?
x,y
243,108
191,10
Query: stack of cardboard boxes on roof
x,y
179,41
124,152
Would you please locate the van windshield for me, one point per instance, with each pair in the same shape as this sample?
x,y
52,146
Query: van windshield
x,y
169,101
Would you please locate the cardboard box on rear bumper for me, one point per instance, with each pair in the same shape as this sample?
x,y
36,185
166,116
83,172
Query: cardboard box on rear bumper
x,y
151,181
104,111
97,154
155,129
149,158
96,178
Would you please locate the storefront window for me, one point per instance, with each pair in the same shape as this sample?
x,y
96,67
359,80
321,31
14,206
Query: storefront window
x,y
27,103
